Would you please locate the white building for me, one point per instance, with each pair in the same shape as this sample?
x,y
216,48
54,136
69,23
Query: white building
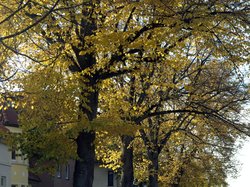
x,y
104,177
17,166
5,163
64,177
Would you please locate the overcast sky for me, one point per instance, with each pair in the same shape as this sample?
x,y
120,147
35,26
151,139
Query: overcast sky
x,y
244,174
243,155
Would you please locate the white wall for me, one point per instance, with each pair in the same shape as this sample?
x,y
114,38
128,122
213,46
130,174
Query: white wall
x,y
5,164
19,166
101,177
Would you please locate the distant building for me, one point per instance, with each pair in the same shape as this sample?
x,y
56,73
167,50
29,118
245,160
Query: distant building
x,y
104,177
5,162
14,168
18,165
19,170
64,177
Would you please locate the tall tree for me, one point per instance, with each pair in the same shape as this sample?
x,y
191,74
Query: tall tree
x,y
202,86
85,42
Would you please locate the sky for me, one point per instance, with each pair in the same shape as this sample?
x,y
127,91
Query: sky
x,y
243,156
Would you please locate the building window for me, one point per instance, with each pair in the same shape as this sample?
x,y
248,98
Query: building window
x,y
14,185
110,178
3,181
59,172
67,172
13,155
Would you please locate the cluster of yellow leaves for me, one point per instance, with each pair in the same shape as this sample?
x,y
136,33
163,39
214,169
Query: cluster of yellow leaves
x,y
108,151
169,69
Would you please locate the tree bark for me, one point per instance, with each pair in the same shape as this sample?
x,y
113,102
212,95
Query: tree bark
x,y
84,166
153,168
127,161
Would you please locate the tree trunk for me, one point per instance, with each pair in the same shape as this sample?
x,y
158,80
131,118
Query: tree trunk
x,y
153,168
84,166
127,161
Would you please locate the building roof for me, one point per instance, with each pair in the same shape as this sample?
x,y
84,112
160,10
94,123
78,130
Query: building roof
x,y
9,117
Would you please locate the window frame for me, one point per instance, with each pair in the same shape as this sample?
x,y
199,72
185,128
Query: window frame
x,y
59,172
13,155
3,181
67,172
110,178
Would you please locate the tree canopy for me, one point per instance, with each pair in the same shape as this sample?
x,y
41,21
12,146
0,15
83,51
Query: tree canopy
x,y
142,67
